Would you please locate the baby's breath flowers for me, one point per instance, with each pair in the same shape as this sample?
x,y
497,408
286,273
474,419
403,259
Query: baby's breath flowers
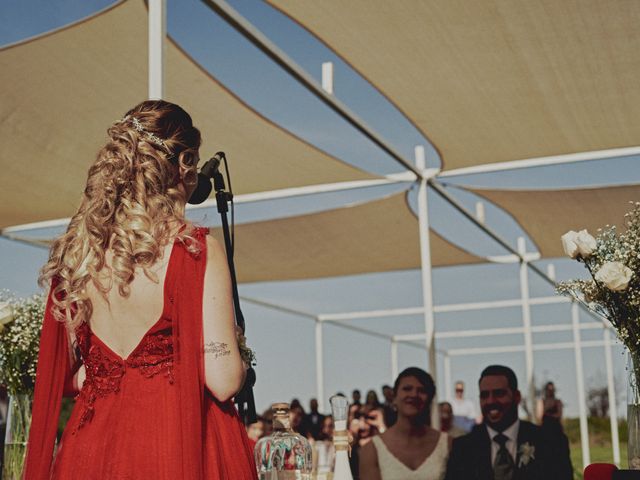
x,y
20,325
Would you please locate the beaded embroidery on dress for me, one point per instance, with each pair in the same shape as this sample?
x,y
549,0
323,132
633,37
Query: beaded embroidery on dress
x,y
105,369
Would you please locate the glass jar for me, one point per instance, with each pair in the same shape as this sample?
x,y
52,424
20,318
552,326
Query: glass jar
x,y
340,410
16,436
633,410
285,454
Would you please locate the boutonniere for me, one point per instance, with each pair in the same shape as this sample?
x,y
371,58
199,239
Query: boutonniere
x,y
526,453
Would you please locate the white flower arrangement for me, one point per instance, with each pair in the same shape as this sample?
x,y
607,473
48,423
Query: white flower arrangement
x,y
526,453
613,261
20,326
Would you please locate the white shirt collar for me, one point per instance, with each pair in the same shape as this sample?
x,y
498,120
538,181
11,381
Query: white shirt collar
x,y
511,432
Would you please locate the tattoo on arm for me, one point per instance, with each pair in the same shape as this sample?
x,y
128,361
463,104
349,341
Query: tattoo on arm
x,y
217,349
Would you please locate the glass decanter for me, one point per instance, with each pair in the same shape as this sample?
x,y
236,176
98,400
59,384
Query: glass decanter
x,y
283,455
339,410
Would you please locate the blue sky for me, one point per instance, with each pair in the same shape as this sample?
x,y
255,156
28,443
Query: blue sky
x,y
285,343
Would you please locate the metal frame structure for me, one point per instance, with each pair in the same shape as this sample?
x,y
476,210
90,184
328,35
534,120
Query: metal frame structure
x,y
425,177
157,35
577,344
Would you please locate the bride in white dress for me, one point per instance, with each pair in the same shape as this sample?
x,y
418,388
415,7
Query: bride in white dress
x,y
410,449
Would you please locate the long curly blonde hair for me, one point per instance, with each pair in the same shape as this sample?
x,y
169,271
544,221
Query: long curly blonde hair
x,y
131,205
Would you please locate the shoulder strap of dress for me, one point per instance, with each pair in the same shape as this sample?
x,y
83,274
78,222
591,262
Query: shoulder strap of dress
x,y
443,441
187,285
381,448
200,233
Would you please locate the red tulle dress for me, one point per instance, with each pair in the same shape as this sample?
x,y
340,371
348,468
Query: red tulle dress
x,y
148,416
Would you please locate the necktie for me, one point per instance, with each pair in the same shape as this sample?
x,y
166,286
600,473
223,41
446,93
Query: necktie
x,y
503,465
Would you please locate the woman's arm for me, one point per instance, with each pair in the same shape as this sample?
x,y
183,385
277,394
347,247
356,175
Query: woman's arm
x,y
223,367
79,378
369,468
75,376
539,410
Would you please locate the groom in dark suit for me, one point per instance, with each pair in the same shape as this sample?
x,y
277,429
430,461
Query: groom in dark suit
x,y
504,447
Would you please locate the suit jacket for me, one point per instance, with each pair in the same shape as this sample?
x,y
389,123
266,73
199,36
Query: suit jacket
x,y
313,424
470,457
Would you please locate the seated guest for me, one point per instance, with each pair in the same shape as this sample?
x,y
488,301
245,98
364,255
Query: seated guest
x,y
464,411
313,420
326,434
410,449
446,421
388,408
363,428
324,452
255,431
296,420
355,395
371,400
549,408
504,447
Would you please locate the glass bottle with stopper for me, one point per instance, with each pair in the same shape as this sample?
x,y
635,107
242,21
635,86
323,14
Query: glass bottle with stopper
x,y
285,454
340,409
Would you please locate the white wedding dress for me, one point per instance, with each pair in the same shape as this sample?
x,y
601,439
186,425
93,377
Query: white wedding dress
x,y
433,468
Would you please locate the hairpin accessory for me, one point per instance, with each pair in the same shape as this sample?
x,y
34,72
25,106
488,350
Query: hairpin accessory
x,y
150,136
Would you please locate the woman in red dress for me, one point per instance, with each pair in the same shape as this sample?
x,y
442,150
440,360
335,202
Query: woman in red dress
x,y
139,322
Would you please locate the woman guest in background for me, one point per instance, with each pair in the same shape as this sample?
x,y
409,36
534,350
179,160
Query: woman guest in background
x,y
372,400
410,449
549,414
549,408
140,320
446,421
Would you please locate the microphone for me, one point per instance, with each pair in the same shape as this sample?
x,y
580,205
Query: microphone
x,y
208,170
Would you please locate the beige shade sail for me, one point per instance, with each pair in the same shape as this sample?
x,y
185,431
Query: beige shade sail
x,y
494,80
376,236
61,91
546,215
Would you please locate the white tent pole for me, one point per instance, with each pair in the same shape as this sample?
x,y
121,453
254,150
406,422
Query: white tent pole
x,y
392,179
582,406
454,307
427,294
255,36
394,360
157,33
545,161
319,367
447,378
613,403
327,77
551,271
539,347
480,213
526,323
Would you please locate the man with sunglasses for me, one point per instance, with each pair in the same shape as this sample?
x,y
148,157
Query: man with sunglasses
x,y
464,411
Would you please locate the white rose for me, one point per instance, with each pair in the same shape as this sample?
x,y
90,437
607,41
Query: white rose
x,y
6,314
614,275
569,243
578,244
586,244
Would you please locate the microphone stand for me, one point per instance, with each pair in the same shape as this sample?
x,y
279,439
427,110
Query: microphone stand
x,y
244,399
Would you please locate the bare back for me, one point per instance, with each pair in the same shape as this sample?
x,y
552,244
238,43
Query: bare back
x,y
121,322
